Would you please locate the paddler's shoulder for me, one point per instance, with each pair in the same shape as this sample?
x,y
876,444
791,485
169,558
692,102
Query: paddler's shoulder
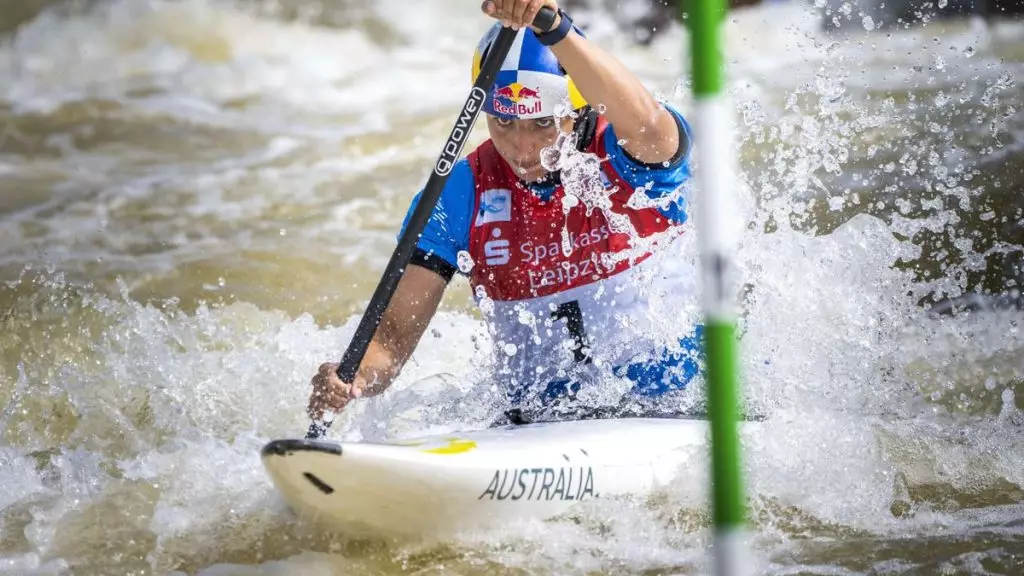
x,y
460,187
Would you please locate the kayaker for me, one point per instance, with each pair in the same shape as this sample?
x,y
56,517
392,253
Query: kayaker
x,y
560,253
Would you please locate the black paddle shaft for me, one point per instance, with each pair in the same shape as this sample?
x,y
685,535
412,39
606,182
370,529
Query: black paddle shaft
x,y
431,192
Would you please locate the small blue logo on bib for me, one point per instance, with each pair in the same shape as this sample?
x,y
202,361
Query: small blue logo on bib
x,y
495,206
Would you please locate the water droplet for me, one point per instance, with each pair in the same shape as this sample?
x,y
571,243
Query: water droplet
x,y
465,261
868,23
1006,80
549,158
485,303
283,232
510,349
526,317
1007,397
221,282
936,395
943,3
969,51
601,108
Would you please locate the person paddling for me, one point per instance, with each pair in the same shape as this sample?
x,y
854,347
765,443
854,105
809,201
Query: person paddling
x,y
556,220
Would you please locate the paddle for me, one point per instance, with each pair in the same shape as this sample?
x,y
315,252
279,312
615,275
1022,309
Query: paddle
x,y
431,192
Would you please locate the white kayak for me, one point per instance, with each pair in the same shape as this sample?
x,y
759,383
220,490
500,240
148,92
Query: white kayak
x,y
453,482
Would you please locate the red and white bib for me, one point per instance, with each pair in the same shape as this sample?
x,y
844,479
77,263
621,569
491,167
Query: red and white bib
x,y
561,281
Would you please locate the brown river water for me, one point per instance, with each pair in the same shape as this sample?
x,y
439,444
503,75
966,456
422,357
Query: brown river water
x,y
197,199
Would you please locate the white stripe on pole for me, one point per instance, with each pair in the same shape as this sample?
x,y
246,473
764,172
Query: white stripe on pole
x,y
716,209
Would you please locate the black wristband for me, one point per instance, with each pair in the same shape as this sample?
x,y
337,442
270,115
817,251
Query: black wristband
x,y
556,35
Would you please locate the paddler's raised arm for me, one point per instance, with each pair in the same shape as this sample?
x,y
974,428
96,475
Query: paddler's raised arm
x,y
650,131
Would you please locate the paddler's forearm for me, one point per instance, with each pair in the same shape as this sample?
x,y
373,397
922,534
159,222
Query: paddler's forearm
x,y
650,132
389,350
405,320
379,368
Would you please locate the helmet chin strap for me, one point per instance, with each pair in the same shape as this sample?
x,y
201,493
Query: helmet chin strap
x,y
585,127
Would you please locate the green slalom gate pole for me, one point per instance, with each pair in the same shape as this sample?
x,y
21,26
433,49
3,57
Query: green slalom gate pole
x,y
718,235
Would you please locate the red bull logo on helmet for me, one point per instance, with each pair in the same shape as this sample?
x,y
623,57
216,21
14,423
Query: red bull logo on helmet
x,y
517,100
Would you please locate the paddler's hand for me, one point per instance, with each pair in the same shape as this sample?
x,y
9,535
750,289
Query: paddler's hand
x,y
330,393
518,13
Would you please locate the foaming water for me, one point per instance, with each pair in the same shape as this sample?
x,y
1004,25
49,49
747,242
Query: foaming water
x,y
206,52
206,196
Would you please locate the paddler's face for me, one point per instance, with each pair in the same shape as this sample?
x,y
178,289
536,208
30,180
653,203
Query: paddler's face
x,y
520,141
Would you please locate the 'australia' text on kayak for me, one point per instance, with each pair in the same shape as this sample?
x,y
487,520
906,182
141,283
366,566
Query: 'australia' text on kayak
x,y
540,484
